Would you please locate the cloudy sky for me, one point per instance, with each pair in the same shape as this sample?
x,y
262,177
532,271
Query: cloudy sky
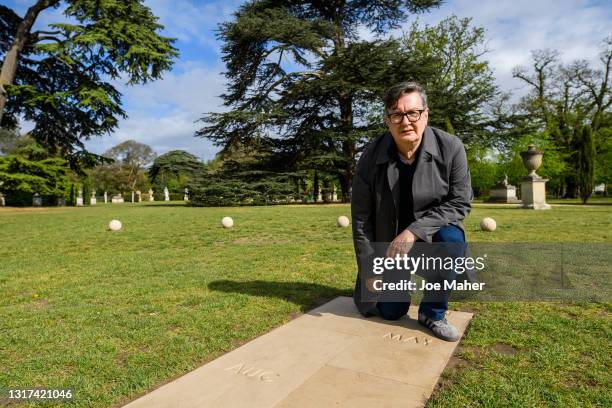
x,y
163,114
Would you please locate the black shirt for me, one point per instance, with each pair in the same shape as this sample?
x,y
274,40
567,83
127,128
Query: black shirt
x,y
406,174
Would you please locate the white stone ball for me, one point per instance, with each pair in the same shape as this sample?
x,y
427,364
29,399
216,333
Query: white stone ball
x,y
343,221
115,225
488,224
227,222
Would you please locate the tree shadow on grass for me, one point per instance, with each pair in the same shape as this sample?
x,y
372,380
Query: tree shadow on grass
x,y
306,295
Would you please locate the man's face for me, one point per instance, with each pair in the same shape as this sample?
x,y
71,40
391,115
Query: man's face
x,y
407,131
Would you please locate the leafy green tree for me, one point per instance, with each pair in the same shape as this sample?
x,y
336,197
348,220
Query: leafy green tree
x,y
110,178
8,140
246,174
60,78
31,170
174,169
460,84
214,191
128,171
298,70
603,161
565,98
71,196
586,163
484,170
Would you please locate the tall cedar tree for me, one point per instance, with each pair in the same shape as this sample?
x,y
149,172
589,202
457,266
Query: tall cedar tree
x,y
28,170
300,77
59,78
244,174
585,163
173,166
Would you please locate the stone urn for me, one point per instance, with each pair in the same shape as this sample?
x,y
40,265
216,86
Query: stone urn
x,y
37,200
532,159
533,187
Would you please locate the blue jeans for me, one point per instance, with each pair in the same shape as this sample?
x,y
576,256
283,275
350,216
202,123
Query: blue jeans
x,y
434,310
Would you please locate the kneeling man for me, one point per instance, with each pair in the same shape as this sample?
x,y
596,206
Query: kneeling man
x,y
411,184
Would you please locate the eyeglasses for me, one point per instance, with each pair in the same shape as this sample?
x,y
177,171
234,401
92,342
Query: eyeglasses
x,y
397,117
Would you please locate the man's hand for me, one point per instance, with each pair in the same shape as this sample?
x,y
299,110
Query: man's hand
x,y
402,244
369,283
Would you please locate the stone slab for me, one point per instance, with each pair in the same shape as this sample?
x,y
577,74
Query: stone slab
x,y
357,390
330,356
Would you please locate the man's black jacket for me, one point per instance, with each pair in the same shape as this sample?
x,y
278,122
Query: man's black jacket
x,y
441,191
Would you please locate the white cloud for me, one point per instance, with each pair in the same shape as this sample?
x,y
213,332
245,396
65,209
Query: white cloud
x,y
192,21
195,89
514,28
163,113
169,132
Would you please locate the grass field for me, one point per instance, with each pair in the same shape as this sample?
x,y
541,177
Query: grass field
x,y
113,315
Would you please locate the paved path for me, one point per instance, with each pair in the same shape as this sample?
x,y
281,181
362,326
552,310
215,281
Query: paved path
x,y
330,356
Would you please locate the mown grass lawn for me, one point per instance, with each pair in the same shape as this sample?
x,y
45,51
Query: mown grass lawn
x,y
113,315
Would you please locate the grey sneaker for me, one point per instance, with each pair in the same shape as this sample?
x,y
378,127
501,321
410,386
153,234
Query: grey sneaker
x,y
440,328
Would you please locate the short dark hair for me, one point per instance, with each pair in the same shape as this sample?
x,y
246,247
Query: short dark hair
x,y
396,91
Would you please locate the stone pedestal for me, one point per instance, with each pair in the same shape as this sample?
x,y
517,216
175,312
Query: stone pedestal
x,y
79,200
93,201
533,187
117,199
503,192
138,196
36,200
533,193
335,195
